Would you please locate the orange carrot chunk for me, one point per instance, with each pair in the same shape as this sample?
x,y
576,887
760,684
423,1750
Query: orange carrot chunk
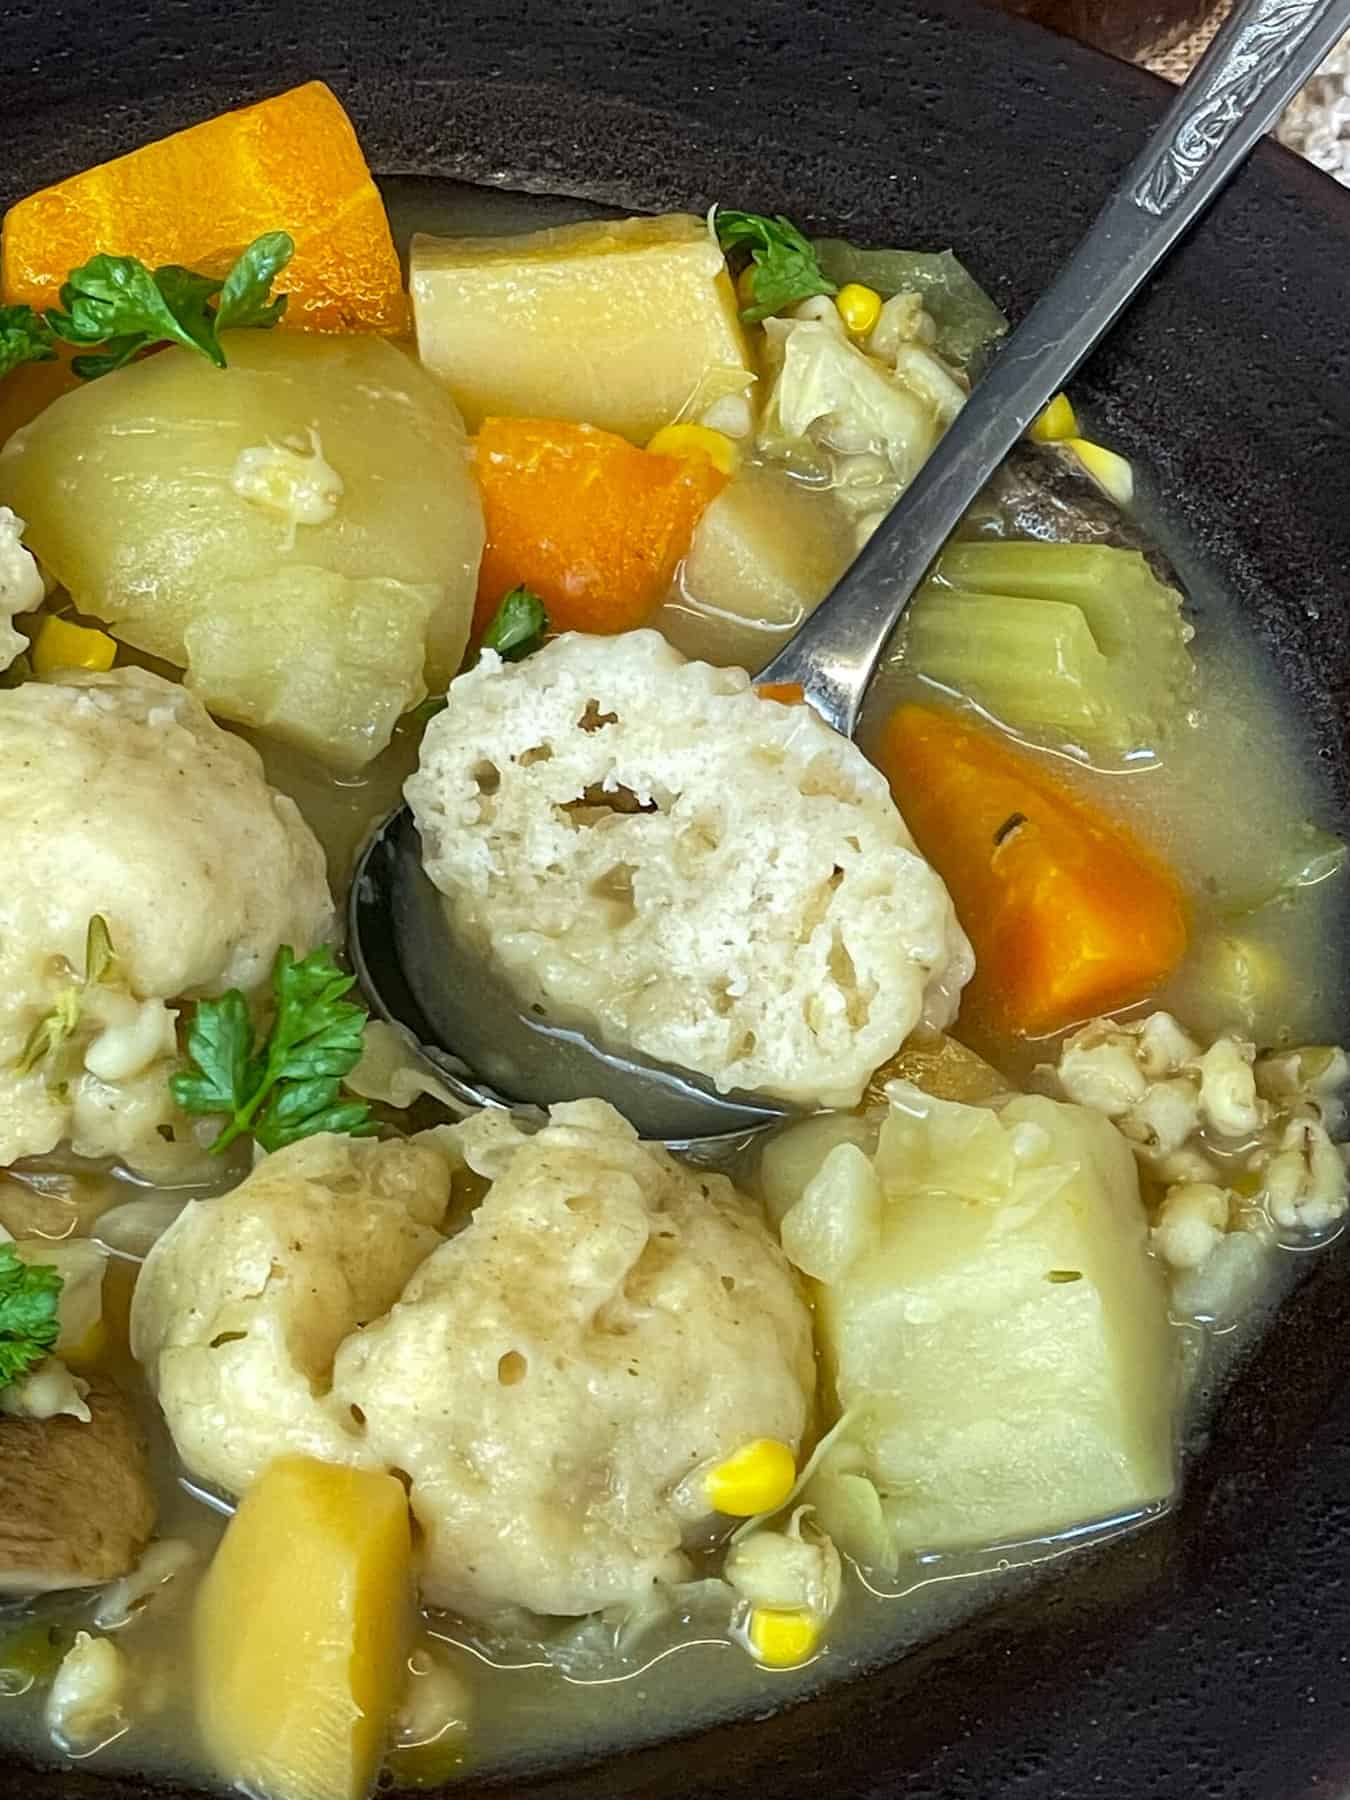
x,y
592,525
1068,913
786,693
287,164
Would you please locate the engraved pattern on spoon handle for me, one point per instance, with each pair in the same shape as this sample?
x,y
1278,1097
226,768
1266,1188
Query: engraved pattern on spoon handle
x,y
1261,50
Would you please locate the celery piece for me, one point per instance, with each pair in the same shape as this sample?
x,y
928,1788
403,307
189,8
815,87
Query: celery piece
x,y
997,623
1025,660
967,320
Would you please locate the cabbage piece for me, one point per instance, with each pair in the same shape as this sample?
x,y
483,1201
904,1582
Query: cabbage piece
x,y
1001,1352
826,388
1070,637
967,320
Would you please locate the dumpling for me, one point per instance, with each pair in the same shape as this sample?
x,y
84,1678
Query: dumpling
x,y
553,1380
647,847
121,802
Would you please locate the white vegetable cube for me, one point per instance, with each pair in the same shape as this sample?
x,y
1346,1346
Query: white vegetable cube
x,y
611,322
1004,1351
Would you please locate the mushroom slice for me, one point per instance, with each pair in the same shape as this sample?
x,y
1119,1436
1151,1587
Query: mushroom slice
x,y
76,1505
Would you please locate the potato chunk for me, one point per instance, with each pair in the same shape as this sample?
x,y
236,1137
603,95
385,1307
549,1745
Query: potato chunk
x,y
301,529
763,556
611,323
996,1328
300,1630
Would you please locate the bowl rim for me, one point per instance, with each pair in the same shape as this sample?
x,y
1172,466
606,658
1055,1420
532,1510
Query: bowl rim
x,y
1204,1653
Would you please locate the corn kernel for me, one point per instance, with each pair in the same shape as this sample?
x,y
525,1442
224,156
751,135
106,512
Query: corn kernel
x,y
758,1478
1057,422
61,645
745,287
1112,474
781,1640
688,442
859,307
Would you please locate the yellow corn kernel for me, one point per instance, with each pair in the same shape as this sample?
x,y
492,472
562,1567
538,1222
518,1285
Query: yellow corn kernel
x,y
61,645
688,442
781,1640
1112,474
757,1479
1057,422
859,307
745,286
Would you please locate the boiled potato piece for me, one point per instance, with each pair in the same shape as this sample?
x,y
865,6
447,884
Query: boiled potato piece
x,y
1000,1344
300,1631
611,323
301,529
359,635
764,555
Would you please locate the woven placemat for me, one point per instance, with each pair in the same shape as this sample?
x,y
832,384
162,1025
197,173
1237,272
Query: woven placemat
x,y
1316,125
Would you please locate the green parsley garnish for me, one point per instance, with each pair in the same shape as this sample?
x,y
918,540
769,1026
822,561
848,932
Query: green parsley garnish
x,y
25,337
113,307
783,264
517,626
286,1085
29,1326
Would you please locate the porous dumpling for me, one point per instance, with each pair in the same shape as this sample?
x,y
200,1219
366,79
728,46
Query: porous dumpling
x,y
609,1324
120,799
553,1380
713,879
242,1304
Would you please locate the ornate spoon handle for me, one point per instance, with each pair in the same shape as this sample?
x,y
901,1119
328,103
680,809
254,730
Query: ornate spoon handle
x,y
1260,58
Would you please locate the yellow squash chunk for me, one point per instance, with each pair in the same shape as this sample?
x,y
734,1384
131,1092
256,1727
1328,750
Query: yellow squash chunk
x,y
611,323
301,1630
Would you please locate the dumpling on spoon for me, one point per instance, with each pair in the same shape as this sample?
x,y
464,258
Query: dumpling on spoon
x,y
652,850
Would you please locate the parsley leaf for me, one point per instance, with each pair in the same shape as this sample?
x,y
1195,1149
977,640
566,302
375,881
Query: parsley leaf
x,y
220,1044
29,1326
24,337
783,265
288,1084
244,294
121,307
517,626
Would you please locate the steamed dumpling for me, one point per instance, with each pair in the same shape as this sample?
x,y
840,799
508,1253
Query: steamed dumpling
x,y
119,798
552,1380
649,848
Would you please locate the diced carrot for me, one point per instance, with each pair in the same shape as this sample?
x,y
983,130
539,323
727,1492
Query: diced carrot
x,y
287,164
786,693
1068,913
593,526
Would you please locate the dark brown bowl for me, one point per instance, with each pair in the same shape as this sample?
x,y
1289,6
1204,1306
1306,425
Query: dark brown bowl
x,y
1206,1657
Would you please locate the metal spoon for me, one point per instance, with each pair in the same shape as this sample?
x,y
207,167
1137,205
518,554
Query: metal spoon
x,y
457,1007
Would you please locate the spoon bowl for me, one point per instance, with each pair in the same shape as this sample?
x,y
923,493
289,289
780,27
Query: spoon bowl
x,y
469,1025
